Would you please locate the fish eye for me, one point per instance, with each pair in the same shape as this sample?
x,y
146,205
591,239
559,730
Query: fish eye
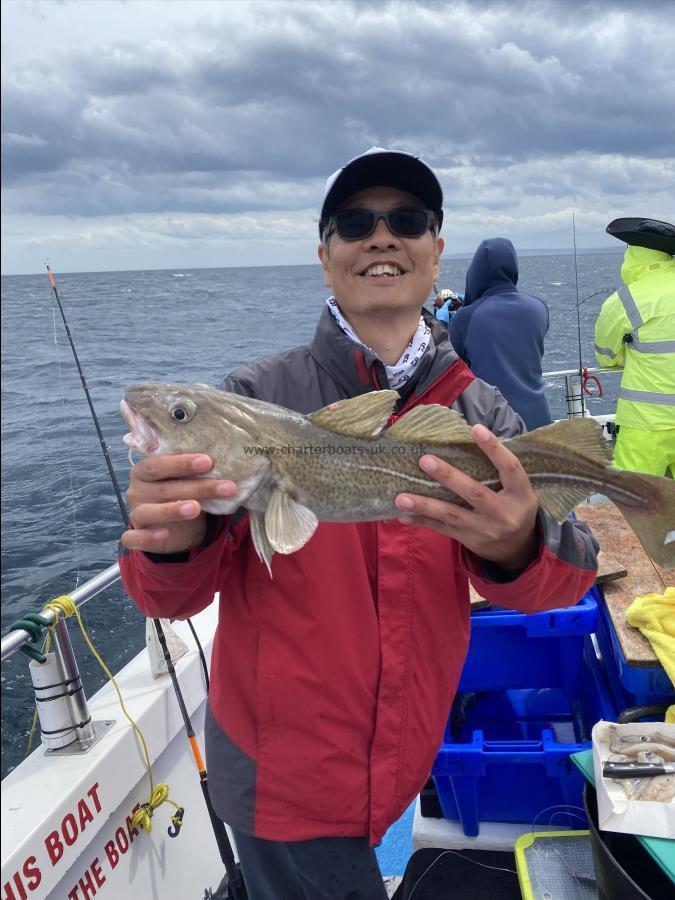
x,y
182,410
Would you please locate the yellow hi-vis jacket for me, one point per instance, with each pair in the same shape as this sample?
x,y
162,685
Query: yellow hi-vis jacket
x,y
636,330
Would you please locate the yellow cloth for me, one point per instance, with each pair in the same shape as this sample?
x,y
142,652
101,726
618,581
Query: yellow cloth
x,y
670,715
654,615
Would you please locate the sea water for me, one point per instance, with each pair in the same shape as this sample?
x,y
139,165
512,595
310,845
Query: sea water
x,y
60,517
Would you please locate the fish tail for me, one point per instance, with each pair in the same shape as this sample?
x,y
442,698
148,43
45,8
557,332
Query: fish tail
x,y
653,521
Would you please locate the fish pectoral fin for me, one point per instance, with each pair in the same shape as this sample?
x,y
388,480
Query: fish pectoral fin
x,y
582,436
364,416
560,500
288,524
262,546
431,424
247,485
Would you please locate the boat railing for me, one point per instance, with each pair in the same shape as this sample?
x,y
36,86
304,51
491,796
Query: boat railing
x,y
595,370
65,722
575,383
81,595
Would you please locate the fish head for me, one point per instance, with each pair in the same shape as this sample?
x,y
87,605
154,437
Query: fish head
x,y
187,418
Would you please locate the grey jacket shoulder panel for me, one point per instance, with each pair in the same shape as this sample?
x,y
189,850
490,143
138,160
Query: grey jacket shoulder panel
x,y
291,379
307,378
481,403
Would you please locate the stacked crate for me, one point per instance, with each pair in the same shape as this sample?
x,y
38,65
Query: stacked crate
x,y
530,692
631,686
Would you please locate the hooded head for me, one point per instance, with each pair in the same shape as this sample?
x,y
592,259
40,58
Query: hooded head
x,y
494,268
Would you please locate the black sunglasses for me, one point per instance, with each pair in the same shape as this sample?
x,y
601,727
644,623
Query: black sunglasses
x,y
402,221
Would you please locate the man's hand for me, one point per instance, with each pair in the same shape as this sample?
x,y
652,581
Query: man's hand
x,y
500,527
163,499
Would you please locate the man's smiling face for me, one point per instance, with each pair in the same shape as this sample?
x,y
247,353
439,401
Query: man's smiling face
x,y
381,272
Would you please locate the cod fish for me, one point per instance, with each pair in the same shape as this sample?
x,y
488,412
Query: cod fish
x,y
346,463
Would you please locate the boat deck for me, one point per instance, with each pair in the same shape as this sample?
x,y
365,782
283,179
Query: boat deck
x,y
618,542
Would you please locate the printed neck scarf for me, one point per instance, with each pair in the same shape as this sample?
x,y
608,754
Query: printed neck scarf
x,y
402,371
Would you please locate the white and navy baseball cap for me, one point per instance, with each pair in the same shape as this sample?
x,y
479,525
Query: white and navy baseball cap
x,y
387,168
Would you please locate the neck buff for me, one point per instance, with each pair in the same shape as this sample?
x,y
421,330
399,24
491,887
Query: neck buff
x,y
402,371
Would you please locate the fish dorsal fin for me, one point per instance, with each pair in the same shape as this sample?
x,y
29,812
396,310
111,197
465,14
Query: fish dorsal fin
x,y
364,416
288,524
559,500
582,436
431,424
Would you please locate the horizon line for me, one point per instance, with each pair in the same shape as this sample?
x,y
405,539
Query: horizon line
x,y
529,251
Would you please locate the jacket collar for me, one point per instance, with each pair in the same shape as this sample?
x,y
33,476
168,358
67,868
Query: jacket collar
x,y
357,370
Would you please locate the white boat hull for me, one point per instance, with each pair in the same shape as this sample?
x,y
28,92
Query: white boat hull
x,y
66,820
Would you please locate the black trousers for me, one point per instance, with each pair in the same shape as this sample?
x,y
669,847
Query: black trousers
x,y
341,868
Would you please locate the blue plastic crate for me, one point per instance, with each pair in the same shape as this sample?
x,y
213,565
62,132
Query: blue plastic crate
x,y
506,754
631,685
509,649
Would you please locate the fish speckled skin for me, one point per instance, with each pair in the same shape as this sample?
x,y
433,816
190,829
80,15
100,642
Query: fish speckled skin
x,y
345,463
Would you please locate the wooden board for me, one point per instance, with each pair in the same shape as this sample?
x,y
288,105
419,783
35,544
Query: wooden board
x,y
609,569
618,541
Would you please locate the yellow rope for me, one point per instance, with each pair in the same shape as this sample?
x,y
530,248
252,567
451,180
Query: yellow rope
x,y
143,815
31,733
65,605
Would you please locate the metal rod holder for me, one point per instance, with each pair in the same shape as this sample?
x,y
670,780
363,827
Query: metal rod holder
x,y
576,408
65,720
77,701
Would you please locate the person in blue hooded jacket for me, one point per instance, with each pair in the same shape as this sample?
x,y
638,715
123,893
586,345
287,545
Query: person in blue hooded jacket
x,y
499,331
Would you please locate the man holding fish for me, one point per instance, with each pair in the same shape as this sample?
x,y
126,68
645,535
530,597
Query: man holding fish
x,y
344,613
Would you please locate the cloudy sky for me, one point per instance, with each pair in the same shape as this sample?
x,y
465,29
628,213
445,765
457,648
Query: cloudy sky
x,y
140,134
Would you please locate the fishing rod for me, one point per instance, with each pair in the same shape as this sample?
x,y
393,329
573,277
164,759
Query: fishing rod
x,y
576,285
606,291
235,885
104,446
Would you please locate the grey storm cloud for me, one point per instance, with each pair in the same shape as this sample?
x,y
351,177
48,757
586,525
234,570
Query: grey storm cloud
x,y
249,117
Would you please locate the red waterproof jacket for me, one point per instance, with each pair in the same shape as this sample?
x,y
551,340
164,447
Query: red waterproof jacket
x,y
331,683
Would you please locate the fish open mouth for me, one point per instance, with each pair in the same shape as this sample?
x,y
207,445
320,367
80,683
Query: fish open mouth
x,y
142,437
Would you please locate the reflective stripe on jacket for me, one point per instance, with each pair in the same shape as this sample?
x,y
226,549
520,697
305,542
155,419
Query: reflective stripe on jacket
x,y
636,330
331,683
